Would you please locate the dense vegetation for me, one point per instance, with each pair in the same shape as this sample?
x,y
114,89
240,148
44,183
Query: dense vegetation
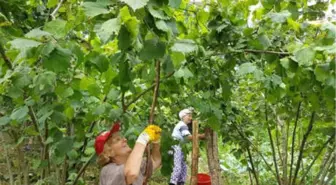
x,y
259,73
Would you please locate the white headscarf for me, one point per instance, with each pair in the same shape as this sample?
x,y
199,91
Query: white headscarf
x,y
184,112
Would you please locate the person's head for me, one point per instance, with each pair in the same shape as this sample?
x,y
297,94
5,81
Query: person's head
x,y
110,147
186,115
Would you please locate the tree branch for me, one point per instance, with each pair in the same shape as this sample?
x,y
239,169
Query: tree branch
x,y
272,145
315,158
293,142
262,157
4,56
151,118
34,120
156,92
53,14
83,169
147,90
305,136
252,165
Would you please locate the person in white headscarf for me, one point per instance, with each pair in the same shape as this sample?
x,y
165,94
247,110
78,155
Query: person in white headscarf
x,y
181,132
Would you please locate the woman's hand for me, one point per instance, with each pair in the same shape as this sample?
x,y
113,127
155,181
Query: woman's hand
x,y
152,133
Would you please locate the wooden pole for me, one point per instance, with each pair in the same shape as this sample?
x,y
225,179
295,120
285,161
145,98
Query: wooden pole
x,y
195,147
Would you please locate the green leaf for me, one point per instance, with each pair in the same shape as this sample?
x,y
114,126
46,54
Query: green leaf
x,y
30,131
322,72
214,123
106,30
161,25
174,3
183,72
48,48
113,95
329,49
263,39
157,13
19,113
101,62
22,44
135,4
130,22
45,82
52,3
99,110
246,68
330,27
177,58
184,46
152,49
64,146
15,92
57,28
86,82
37,34
93,9
58,60
124,39
4,120
305,56
279,17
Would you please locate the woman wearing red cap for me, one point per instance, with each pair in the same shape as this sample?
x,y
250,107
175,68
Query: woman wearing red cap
x,y
122,165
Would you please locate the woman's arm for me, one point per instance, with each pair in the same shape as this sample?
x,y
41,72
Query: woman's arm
x,y
133,163
156,156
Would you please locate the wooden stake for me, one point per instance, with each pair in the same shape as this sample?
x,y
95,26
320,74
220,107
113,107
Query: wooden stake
x,y
195,147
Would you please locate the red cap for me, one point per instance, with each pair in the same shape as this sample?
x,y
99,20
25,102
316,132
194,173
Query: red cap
x,y
103,137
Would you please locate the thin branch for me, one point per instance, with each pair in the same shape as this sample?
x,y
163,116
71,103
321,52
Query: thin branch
x,y
305,136
123,102
252,165
53,14
255,148
256,51
293,142
4,56
147,90
83,169
315,158
156,92
272,146
34,120
151,118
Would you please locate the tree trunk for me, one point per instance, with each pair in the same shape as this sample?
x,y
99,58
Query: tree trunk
x,y
325,165
252,165
213,157
194,164
9,167
284,138
293,143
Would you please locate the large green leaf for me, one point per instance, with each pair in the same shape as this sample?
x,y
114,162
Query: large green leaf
x,y
93,9
305,56
107,29
58,60
322,72
57,27
246,68
135,4
23,44
183,72
157,12
184,46
124,39
330,27
130,22
152,49
279,17
64,146
37,34
174,3
4,120
19,113
101,62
